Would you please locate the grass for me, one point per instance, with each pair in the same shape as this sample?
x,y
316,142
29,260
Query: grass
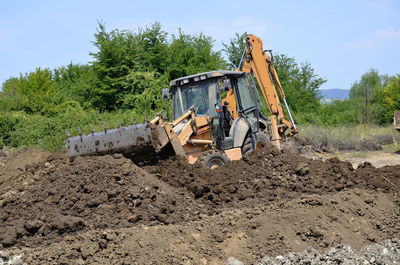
x,y
354,154
351,133
359,137
391,147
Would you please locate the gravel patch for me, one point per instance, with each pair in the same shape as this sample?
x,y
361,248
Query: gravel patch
x,y
6,259
386,252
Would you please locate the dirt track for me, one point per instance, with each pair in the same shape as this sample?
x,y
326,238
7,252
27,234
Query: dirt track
x,y
106,210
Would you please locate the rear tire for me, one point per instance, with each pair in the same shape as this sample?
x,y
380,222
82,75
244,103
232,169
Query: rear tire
x,y
213,159
247,146
254,142
262,140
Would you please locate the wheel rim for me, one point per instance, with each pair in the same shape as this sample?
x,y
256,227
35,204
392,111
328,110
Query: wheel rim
x,y
260,145
214,163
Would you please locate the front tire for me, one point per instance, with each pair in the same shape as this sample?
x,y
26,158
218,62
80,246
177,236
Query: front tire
x,y
213,159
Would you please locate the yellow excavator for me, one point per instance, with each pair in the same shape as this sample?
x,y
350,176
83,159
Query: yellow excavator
x,y
216,116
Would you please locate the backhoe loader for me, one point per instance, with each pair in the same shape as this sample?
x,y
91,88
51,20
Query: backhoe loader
x,y
216,116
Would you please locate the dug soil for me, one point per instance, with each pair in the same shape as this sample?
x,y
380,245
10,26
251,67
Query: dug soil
x,y
107,210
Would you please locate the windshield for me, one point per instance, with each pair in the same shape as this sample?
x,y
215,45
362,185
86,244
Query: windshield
x,y
246,93
201,94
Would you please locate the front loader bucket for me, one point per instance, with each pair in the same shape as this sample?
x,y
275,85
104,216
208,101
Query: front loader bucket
x,y
134,140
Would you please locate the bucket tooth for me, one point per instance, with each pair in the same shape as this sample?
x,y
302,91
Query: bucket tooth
x,y
119,125
132,121
80,133
131,140
145,119
67,133
105,128
92,129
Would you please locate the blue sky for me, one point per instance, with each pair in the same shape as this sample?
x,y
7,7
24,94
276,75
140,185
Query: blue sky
x,y
341,39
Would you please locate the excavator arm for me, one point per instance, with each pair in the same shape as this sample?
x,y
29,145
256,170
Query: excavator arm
x,y
256,61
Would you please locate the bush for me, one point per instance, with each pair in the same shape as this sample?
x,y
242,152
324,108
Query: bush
x,y
48,132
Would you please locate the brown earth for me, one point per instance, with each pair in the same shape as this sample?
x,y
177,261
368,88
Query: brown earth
x,y
13,163
107,210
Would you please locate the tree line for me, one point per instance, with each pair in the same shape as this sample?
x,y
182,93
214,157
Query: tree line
x,y
128,70
373,99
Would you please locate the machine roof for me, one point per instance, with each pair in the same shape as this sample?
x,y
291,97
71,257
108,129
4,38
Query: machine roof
x,y
203,76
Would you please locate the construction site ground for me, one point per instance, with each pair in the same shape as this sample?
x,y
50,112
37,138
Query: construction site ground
x,y
107,210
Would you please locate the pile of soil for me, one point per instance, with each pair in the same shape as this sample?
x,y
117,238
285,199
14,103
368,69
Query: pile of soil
x,y
356,218
59,197
13,164
269,175
107,210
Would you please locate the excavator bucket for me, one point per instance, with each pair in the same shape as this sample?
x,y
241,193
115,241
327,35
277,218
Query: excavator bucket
x,y
139,141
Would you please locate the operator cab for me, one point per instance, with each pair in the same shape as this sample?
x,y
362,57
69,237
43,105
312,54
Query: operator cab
x,y
223,96
202,95
205,91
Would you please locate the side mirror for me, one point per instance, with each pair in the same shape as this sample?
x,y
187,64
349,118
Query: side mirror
x,y
218,107
227,85
165,93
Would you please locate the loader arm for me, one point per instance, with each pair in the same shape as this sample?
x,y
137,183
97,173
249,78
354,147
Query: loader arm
x,y
258,62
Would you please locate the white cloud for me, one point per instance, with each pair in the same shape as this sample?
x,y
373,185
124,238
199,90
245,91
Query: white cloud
x,y
378,39
388,33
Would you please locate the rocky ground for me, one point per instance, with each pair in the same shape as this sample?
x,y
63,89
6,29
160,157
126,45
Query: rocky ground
x,y
6,259
386,252
107,210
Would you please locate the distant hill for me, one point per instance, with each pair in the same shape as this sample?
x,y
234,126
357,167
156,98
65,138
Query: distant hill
x,y
335,93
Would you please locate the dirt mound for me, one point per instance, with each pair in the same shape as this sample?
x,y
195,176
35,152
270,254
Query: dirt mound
x,y
355,218
270,175
107,210
14,163
60,197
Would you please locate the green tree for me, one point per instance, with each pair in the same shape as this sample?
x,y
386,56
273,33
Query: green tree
x,y
122,54
152,48
300,83
76,83
234,49
189,54
34,92
144,91
365,95
116,56
390,98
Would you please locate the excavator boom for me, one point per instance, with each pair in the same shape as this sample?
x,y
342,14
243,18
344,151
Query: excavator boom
x,y
256,61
